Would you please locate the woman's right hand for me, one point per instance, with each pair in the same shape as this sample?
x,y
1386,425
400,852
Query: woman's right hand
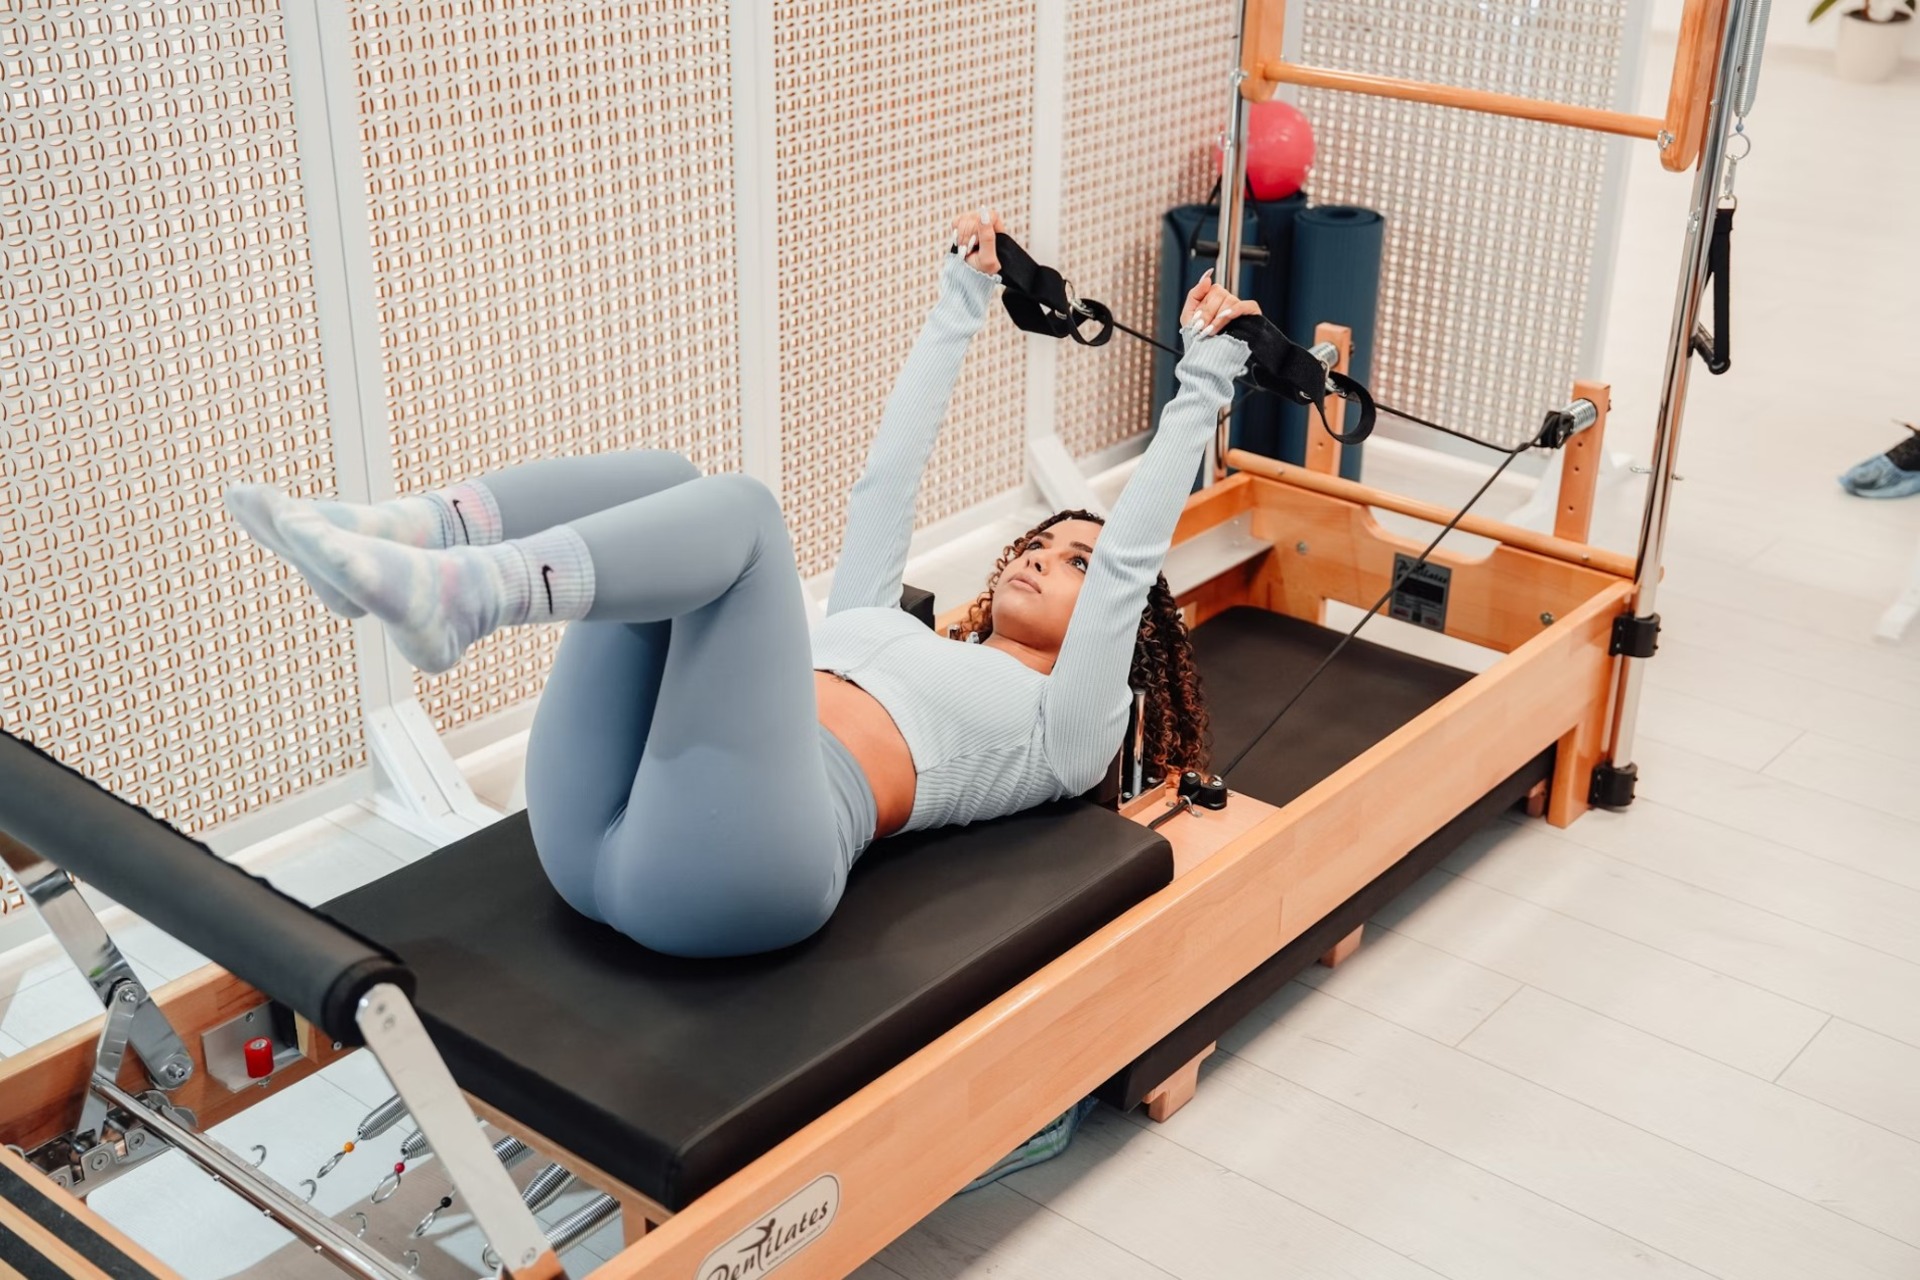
x,y
973,233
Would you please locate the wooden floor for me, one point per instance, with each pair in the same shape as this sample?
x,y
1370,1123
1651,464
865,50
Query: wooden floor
x,y
1679,1042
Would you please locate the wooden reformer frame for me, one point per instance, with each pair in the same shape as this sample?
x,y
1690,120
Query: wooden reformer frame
x,y
1248,879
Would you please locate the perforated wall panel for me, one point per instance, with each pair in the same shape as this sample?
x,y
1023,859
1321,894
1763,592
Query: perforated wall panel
x,y
1138,140
157,340
1491,222
550,186
891,117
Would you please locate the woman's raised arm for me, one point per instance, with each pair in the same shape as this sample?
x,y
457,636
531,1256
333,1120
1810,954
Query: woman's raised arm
x,y
873,553
1087,695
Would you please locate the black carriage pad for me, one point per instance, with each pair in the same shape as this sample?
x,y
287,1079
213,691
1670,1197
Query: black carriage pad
x,y
1251,661
672,1074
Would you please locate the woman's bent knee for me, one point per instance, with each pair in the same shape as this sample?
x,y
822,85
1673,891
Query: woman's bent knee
x,y
690,907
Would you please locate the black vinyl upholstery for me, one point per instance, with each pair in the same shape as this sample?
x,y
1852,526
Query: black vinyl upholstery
x,y
672,1074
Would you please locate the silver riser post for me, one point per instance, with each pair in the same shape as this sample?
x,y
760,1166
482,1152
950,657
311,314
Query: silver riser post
x,y
1233,185
1673,392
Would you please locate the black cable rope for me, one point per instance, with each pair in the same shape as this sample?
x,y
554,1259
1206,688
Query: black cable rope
x,y
1377,606
1382,406
1394,584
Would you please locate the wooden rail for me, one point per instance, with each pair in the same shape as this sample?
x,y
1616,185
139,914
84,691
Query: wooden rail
x,y
1680,132
1613,562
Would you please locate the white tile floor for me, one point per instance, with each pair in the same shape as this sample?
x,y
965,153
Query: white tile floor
x,y
1680,1041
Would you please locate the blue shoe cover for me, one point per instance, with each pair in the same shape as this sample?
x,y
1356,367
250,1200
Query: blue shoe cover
x,y
1044,1145
1877,477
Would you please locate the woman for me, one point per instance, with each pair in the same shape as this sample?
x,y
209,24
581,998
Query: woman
x,y
700,776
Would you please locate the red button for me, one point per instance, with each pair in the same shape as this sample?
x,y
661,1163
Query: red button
x,y
259,1058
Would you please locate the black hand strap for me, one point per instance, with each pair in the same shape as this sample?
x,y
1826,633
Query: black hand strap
x,y
1039,299
1284,367
1716,348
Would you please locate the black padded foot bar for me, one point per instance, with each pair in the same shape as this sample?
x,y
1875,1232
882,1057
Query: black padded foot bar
x,y
240,921
672,1074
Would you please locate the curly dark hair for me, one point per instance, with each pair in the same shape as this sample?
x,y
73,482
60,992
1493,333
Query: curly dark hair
x,y
1177,730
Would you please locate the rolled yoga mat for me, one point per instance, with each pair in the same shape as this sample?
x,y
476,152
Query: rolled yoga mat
x,y
1334,277
1269,223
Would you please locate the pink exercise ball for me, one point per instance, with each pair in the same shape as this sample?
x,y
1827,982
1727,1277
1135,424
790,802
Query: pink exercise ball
x,y
1279,149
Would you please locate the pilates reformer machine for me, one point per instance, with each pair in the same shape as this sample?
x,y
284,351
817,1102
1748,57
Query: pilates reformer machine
x,y
796,1112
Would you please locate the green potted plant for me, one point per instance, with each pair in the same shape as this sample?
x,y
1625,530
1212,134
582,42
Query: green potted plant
x,y
1872,37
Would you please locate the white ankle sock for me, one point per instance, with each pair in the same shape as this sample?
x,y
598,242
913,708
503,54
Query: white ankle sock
x,y
436,603
462,515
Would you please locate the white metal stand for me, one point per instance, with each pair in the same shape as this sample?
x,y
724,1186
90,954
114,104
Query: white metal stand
x,y
420,788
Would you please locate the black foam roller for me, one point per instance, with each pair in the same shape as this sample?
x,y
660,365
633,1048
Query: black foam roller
x,y
1268,223
1334,278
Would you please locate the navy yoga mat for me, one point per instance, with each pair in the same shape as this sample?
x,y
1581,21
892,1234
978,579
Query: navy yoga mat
x,y
1334,277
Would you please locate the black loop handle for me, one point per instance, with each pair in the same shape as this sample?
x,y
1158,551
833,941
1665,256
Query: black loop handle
x,y
1039,299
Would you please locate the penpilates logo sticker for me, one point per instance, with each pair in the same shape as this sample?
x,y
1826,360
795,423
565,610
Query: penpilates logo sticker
x,y
772,1240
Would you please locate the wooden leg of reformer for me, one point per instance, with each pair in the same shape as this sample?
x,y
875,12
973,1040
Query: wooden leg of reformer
x,y
1176,1091
1580,467
1323,451
1340,950
1578,753
1536,801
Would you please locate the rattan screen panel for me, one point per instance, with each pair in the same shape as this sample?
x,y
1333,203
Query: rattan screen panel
x,y
1138,139
157,339
551,197
1491,223
890,118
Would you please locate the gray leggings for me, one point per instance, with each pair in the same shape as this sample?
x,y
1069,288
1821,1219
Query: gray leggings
x,y
679,784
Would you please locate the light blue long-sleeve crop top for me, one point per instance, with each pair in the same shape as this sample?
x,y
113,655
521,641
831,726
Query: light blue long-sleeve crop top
x,y
988,734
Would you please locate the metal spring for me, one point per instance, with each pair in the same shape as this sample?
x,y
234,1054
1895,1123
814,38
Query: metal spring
x,y
545,1186
572,1228
415,1146
382,1118
510,1151
1752,37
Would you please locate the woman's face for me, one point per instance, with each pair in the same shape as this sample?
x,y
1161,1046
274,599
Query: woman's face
x,y
1037,590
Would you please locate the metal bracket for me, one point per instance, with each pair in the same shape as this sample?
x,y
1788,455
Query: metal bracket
x,y
1613,788
1635,637
1563,424
79,932
392,1029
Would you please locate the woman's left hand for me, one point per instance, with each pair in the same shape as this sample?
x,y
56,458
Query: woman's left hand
x,y
1213,306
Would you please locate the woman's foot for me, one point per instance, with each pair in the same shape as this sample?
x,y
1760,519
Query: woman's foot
x,y
437,603
1893,474
255,506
